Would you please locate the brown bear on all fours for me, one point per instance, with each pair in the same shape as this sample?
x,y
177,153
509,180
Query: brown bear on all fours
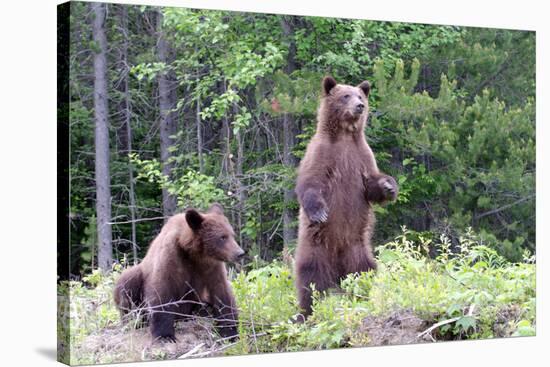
x,y
183,271
338,180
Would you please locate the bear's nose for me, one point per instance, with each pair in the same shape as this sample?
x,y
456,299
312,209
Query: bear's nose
x,y
240,255
360,107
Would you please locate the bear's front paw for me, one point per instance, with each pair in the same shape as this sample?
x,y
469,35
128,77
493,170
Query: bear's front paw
x,y
299,318
389,187
315,207
166,339
319,216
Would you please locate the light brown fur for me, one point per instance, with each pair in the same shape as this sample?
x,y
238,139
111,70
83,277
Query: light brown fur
x,y
183,270
338,180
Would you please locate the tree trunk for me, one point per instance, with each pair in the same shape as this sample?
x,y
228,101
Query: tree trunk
x,y
168,124
199,135
239,137
126,114
102,175
289,231
226,141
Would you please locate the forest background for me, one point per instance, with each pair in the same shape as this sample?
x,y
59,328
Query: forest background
x,y
173,108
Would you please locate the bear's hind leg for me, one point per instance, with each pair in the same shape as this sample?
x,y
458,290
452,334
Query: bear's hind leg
x,y
359,259
312,270
128,291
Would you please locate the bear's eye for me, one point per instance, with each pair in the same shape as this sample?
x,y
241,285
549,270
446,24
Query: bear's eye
x,y
346,96
223,237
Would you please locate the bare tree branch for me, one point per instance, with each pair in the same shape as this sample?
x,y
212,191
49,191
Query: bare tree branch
x,y
497,210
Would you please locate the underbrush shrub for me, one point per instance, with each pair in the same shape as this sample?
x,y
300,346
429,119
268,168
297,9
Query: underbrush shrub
x,y
471,290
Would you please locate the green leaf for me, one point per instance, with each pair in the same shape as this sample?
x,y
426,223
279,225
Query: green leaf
x,y
407,161
524,328
466,322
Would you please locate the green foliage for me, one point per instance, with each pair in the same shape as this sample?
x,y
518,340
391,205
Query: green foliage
x,y
460,157
148,70
192,188
452,118
441,289
296,93
91,241
89,307
469,293
524,328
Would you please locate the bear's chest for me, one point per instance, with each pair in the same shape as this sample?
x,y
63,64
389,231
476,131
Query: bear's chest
x,y
346,168
347,204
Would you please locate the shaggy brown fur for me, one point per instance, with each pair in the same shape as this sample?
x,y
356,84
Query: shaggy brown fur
x,y
338,179
184,268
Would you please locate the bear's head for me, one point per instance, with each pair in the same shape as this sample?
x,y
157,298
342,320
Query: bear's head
x,y
213,235
343,107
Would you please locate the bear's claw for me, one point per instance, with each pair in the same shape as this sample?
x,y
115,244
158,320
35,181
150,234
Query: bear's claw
x,y
319,216
390,188
167,339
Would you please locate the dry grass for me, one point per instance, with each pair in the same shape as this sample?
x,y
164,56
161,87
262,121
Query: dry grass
x,y
195,338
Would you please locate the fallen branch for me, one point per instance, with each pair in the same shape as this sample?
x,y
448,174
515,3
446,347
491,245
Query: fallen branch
x,y
192,351
435,326
445,322
209,352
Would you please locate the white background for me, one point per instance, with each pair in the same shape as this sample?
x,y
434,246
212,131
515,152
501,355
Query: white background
x,y
28,181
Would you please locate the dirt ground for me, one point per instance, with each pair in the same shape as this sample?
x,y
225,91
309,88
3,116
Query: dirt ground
x,y
196,338
404,327
116,344
401,327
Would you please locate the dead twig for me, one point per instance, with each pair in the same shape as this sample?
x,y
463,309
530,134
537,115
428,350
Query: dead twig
x,y
203,354
445,322
497,210
137,220
192,351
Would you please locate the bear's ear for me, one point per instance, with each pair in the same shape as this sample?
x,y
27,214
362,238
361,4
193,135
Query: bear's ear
x,y
365,86
328,83
216,208
194,219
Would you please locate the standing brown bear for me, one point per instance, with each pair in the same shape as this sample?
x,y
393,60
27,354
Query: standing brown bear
x,y
338,179
184,268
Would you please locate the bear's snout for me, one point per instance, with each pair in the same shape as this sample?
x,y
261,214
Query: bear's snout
x,y
359,108
234,252
240,254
